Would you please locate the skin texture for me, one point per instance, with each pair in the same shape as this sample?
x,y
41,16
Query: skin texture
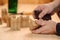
x,y
48,27
47,8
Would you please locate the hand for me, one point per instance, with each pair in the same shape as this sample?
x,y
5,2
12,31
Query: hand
x,y
45,8
48,27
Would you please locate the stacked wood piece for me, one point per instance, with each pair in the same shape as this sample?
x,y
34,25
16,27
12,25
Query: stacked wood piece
x,y
0,17
14,22
4,15
19,21
0,21
25,20
33,25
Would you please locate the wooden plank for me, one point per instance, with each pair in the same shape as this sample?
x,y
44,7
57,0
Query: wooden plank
x,y
33,1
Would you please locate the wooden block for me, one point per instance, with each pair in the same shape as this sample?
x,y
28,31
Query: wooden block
x,y
18,22
0,17
9,22
14,23
33,25
0,21
25,20
4,15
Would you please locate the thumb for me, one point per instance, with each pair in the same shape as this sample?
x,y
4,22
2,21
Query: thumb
x,y
39,30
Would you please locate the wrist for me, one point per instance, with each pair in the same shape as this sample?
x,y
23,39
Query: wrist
x,y
54,3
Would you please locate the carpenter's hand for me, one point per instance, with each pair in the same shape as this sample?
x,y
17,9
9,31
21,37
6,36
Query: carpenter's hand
x,y
45,8
48,27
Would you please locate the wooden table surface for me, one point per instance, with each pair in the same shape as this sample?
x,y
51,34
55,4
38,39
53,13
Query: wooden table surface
x,y
24,33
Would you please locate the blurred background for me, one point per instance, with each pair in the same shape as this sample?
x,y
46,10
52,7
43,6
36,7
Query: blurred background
x,y
18,17
10,7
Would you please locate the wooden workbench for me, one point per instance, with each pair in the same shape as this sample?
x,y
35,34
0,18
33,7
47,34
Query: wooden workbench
x,y
24,33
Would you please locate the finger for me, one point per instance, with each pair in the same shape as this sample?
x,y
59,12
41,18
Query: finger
x,y
40,22
36,9
45,32
37,31
42,14
33,15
